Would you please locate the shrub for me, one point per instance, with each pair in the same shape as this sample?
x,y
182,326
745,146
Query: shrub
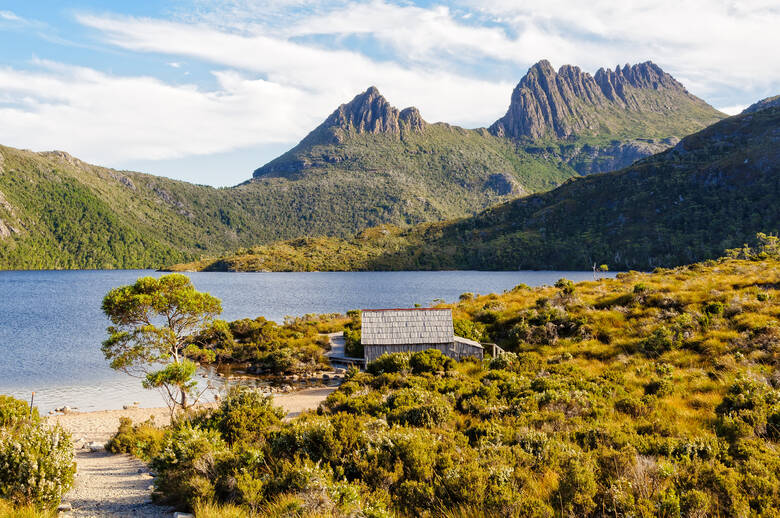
x,y
746,408
659,388
577,486
660,341
566,286
469,329
188,466
142,440
431,360
634,407
13,411
503,361
36,464
487,316
244,415
389,362
773,425
714,308
353,347
417,407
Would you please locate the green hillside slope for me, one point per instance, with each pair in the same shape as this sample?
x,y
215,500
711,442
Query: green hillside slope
x,y
715,190
58,212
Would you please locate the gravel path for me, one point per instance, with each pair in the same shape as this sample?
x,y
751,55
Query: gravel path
x,y
119,485
111,485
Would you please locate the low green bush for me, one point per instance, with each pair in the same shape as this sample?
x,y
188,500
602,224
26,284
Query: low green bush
x,y
659,388
389,363
13,411
469,329
36,464
244,415
142,440
660,341
430,361
417,408
191,466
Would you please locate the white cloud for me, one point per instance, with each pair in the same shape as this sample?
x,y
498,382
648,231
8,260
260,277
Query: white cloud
x,y
174,64
711,45
716,48
110,119
733,110
10,16
331,76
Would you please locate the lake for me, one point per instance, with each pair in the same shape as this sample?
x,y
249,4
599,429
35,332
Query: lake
x,y
51,326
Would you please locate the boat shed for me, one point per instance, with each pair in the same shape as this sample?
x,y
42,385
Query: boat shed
x,y
413,330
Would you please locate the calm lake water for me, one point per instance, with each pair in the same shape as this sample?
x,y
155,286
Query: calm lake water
x,y
51,325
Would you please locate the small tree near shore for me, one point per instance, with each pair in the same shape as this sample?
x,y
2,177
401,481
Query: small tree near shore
x,y
154,321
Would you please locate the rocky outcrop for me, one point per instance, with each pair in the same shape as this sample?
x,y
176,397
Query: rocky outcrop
x,y
63,156
370,112
570,102
503,184
543,103
617,85
590,159
7,229
763,104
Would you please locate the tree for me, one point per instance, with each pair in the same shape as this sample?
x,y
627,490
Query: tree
x,y
154,321
601,268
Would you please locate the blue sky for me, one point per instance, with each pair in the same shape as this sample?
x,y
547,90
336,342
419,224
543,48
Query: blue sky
x,y
208,91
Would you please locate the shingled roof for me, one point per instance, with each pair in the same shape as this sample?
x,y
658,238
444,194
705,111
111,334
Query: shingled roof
x,y
406,326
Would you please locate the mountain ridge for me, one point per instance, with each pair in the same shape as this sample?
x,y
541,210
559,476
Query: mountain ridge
x,y
560,105
585,123
714,190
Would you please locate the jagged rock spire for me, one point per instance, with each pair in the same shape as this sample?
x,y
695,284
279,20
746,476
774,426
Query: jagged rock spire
x,y
560,104
370,112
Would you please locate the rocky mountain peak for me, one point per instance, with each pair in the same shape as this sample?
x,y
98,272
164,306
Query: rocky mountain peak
x,y
647,75
370,112
571,102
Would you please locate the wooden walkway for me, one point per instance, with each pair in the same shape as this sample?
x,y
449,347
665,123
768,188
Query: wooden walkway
x,y
337,354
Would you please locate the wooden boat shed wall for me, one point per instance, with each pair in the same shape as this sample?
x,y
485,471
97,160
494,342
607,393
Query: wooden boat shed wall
x,y
413,330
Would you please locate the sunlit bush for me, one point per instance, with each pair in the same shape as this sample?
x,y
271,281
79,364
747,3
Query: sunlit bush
x,y
36,464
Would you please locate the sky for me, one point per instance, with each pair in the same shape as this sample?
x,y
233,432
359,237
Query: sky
x,y
209,91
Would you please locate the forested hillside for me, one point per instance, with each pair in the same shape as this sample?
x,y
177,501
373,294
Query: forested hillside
x,y
715,190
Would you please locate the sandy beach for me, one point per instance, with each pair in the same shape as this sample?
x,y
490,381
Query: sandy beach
x,y
120,485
